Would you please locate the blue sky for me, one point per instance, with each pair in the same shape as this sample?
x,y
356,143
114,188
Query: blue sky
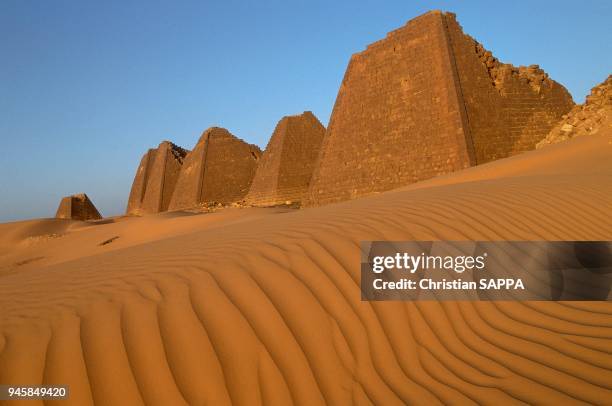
x,y
86,87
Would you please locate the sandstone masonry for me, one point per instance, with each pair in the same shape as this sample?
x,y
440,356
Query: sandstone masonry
x,y
285,169
77,207
156,179
220,169
425,101
592,117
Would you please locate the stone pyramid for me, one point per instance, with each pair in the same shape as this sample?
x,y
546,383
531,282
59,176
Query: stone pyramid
x,y
220,169
77,207
425,101
156,179
286,166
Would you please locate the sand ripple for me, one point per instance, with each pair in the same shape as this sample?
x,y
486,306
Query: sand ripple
x,y
268,311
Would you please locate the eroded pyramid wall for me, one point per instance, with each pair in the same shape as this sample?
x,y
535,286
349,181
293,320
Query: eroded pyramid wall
x,y
77,207
509,109
425,101
220,169
286,166
156,178
592,117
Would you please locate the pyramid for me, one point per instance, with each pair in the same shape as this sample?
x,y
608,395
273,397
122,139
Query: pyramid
x,y
77,207
155,179
285,169
425,101
220,169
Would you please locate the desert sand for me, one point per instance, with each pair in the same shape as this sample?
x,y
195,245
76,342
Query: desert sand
x,y
262,306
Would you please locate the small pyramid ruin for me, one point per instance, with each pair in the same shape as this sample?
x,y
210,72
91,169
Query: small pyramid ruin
x,y
425,101
220,169
155,179
77,207
286,166
592,117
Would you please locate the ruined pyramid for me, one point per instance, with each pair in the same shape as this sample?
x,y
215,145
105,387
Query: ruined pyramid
x,y
156,179
220,169
285,168
425,101
592,117
77,207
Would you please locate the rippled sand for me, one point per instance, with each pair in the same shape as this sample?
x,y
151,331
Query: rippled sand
x,y
262,306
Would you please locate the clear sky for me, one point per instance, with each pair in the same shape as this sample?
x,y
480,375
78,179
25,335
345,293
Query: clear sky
x,y
86,87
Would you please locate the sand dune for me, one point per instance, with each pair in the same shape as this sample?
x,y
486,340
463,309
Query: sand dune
x,y
257,306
